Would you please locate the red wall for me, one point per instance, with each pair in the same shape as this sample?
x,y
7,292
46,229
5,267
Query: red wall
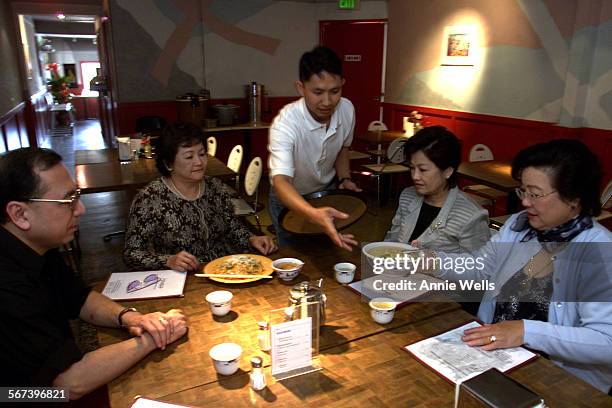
x,y
505,136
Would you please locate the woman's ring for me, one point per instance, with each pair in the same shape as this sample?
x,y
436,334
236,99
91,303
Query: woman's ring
x,y
492,339
161,319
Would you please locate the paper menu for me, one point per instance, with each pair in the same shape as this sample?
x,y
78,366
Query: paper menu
x,y
145,285
291,345
369,287
453,359
151,403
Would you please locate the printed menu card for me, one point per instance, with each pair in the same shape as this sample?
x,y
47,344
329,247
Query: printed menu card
x,y
291,345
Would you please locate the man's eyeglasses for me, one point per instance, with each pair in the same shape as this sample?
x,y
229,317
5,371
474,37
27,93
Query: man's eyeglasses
x,y
523,194
71,201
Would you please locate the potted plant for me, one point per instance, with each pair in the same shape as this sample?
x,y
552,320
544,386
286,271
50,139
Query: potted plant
x,y
58,85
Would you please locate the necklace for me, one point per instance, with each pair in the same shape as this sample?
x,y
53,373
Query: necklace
x,y
170,184
544,260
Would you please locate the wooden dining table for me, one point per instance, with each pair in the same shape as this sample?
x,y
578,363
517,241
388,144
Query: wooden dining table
x,y
379,137
496,174
493,173
363,362
101,171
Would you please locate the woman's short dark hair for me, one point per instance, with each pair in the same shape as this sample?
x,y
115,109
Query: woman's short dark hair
x,y
317,60
173,136
574,170
19,179
440,146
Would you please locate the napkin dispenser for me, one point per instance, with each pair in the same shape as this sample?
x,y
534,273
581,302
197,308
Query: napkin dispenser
x,y
494,389
125,153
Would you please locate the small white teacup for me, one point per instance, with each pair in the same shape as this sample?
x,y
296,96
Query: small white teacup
x,y
220,302
226,357
345,272
382,310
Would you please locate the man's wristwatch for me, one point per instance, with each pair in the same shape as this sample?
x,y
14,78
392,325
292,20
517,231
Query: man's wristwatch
x,y
121,313
343,179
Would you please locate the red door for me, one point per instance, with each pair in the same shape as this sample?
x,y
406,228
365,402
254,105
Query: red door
x,y
360,45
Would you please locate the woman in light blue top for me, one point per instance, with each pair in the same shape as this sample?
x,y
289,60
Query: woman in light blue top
x,y
550,266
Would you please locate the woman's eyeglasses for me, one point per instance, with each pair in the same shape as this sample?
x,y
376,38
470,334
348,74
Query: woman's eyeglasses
x,y
149,280
71,201
523,194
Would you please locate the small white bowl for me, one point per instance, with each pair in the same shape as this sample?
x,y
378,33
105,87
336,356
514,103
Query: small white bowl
x,y
220,302
344,272
287,274
382,310
225,357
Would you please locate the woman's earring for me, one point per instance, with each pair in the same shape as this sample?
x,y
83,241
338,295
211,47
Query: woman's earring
x,y
167,167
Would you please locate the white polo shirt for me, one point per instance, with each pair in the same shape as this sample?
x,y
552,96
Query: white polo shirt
x,y
301,148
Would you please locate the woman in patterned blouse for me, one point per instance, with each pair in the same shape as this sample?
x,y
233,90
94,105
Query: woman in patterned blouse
x,y
183,219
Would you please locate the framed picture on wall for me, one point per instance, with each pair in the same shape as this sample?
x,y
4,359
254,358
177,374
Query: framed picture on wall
x,y
459,45
70,74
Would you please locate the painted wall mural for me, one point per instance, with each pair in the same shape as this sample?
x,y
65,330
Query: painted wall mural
x,y
168,47
203,13
546,60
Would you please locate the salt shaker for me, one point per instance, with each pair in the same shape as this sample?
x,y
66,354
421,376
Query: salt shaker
x,y
289,310
263,336
258,378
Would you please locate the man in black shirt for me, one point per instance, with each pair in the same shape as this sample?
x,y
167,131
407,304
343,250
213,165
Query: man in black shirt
x,y
40,210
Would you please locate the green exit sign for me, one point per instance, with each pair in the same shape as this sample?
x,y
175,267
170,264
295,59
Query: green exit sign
x,y
348,4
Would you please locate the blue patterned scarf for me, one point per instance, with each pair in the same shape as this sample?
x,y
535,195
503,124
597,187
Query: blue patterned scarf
x,y
562,233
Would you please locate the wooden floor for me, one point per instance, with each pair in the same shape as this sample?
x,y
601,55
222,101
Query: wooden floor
x,y
106,212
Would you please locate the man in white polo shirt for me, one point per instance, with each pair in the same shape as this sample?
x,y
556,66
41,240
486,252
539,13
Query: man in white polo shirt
x,y
309,142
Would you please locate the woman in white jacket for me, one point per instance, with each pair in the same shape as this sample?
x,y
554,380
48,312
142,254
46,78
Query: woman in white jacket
x,y
434,212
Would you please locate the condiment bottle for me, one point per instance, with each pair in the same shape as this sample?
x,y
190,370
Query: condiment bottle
x,y
258,378
289,310
263,336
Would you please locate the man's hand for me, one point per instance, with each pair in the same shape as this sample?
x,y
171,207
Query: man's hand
x,y
183,262
164,328
349,185
324,217
500,335
178,324
263,244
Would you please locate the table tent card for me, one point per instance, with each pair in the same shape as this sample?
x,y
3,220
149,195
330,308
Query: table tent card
x,y
294,337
